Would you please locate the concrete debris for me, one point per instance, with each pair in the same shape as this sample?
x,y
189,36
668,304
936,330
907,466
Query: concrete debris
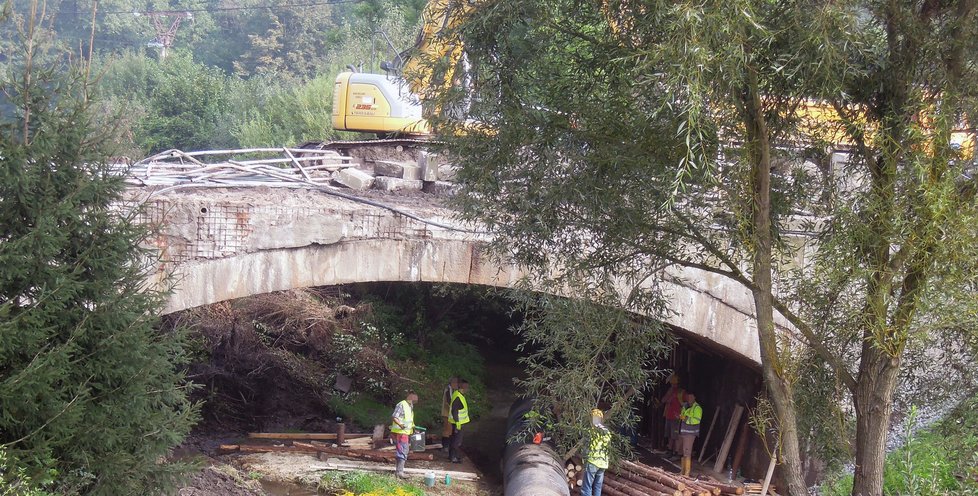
x,y
429,163
385,183
354,179
441,188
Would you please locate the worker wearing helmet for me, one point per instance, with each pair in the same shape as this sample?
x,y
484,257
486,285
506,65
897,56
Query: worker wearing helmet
x,y
673,401
596,456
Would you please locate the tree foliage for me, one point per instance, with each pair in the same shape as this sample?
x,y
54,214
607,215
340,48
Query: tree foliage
x,y
623,137
90,387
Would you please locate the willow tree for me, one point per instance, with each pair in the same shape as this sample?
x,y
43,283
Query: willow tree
x,y
623,137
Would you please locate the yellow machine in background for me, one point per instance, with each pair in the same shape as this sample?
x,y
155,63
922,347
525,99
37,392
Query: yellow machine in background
x,y
394,103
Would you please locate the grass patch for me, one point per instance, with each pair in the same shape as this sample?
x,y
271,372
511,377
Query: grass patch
x,y
942,460
366,484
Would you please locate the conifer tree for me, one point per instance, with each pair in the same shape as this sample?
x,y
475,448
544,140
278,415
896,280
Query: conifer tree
x,y
91,389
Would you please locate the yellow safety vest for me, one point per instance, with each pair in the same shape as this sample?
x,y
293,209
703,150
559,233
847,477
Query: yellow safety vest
x,y
408,420
691,415
597,453
463,413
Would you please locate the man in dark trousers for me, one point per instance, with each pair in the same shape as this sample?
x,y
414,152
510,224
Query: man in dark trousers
x,y
460,417
446,412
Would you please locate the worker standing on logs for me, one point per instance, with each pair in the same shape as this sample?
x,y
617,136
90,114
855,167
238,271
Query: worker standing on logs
x,y
402,426
690,416
673,401
446,412
460,417
596,456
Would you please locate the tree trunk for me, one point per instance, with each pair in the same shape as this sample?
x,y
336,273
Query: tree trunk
x,y
878,374
778,388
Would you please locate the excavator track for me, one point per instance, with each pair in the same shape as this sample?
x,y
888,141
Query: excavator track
x,y
397,149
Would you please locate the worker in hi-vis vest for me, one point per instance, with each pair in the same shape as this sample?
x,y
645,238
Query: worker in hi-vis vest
x,y
402,426
460,417
596,456
691,416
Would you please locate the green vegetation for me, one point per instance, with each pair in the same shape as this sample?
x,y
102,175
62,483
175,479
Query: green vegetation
x,y
367,484
92,398
941,460
290,347
624,140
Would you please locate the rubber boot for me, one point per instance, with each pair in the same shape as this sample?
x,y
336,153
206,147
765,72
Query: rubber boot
x,y
687,465
399,470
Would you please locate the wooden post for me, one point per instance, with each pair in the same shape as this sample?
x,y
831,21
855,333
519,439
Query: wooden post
x,y
770,472
728,439
340,433
716,413
742,441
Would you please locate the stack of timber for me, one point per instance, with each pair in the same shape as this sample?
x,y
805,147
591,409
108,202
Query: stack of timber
x,y
637,479
575,474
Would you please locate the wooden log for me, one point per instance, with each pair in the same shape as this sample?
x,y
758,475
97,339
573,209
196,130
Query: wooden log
x,y
726,488
341,433
227,448
621,486
658,476
649,483
353,466
610,491
770,472
706,440
251,448
643,489
301,435
697,488
731,429
370,455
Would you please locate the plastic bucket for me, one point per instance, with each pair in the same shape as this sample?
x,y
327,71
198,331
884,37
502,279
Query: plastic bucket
x,y
429,479
417,441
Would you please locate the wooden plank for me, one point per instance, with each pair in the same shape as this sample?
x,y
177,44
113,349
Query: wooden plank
x,y
706,440
770,472
302,435
349,466
742,439
728,439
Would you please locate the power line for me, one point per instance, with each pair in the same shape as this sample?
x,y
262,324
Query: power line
x,y
219,9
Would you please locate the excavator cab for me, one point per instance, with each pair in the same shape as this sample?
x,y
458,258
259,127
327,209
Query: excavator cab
x,y
391,104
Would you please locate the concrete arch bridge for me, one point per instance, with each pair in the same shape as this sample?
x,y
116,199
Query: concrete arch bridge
x,y
240,233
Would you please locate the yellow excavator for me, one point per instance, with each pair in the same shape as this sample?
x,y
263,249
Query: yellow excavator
x,y
397,103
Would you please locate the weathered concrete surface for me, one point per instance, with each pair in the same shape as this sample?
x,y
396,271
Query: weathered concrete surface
x,y
385,183
354,179
225,244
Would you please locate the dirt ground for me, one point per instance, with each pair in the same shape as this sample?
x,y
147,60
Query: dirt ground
x,y
296,474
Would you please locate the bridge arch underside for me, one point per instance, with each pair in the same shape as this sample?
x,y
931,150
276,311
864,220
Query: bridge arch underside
x,y
707,307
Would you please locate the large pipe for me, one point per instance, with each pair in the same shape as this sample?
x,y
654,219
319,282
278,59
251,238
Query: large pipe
x,y
530,469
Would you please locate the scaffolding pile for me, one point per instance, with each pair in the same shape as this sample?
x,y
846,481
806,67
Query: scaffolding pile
x,y
249,167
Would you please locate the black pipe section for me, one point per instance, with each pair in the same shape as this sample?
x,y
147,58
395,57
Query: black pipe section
x,y
530,469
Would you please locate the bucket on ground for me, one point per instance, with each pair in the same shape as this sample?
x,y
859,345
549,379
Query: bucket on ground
x,y
417,439
429,479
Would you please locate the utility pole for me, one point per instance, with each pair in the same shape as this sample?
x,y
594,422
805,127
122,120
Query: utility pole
x,y
166,35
